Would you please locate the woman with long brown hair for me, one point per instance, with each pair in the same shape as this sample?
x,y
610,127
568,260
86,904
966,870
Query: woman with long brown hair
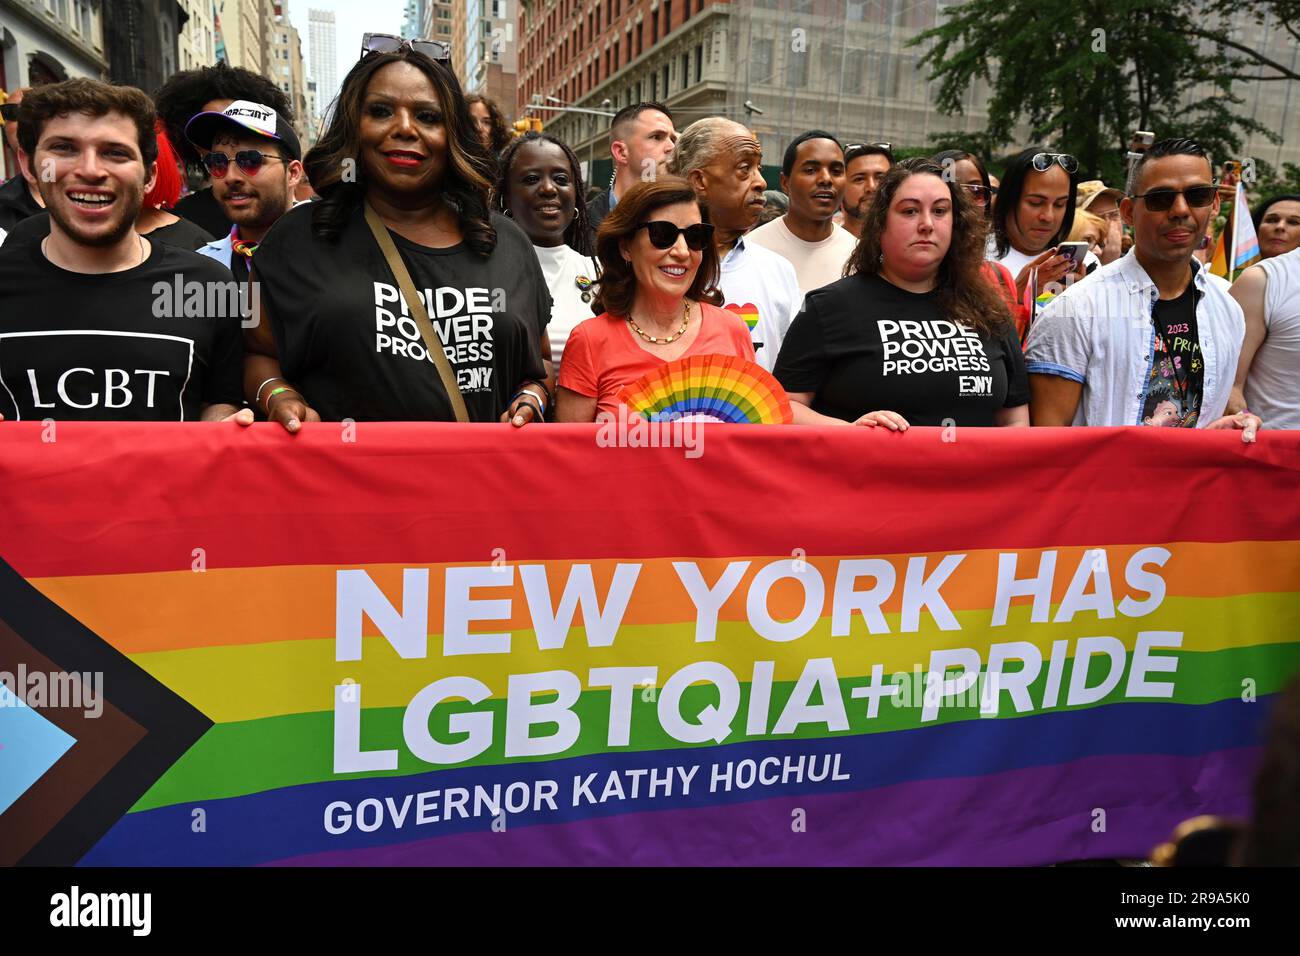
x,y
914,334
405,184
657,297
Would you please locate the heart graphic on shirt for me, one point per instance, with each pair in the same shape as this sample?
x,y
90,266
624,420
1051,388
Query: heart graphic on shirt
x,y
748,312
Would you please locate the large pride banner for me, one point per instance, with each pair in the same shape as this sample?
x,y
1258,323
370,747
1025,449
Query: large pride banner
x,y
441,644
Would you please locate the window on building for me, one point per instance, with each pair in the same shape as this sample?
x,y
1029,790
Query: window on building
x,y
665,81
609,13
854,67
638,38
699,5
628,54
796,68
654,87
668,16
760,62
654,29
615,57
699,62
686,70
597,18
607,61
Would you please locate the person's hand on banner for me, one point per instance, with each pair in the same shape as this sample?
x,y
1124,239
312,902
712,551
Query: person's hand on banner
x,y
290,409
1244,420
891,420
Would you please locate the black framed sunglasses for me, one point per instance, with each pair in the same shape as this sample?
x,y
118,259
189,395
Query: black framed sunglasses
x,y
249,162
1162,200
9,112
388,43
979,193
663,234
1043,162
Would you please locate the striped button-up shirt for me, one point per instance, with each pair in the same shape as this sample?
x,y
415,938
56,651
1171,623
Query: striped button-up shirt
x,y
1100,332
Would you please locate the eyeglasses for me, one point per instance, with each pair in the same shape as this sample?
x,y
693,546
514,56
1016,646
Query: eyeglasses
x,y
9,112
1043,162
388,43
1162,200
663,234
249,162
979,194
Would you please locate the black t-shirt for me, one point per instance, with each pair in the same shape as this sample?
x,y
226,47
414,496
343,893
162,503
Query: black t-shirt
x,y
346,341
148,344
202,209
182,233
16,203
863,345
1175,384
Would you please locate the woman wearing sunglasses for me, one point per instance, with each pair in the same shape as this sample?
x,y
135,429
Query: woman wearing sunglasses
x,y
657,296
404,181
1032,214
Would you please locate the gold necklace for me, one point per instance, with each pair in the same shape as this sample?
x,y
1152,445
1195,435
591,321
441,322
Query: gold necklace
x,y
654,339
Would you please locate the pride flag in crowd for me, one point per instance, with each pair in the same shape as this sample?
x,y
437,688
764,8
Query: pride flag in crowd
x,y
1245,243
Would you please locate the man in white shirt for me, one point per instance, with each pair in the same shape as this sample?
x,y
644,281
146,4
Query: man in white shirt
x,y
1146,340
1268,374
721,159
812,175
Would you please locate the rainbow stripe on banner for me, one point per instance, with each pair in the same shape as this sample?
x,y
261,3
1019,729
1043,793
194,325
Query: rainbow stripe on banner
x,y
653,658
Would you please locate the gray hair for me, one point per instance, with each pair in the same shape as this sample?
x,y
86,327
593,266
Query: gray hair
x,y
698,144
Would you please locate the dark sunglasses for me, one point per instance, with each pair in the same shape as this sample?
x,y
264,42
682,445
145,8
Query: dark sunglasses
x,y
851,150
979,194
1043,162
248,160
388,43
663,234
1162,200
9,112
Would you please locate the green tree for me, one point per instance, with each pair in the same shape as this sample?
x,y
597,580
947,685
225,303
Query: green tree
x,y
1084,76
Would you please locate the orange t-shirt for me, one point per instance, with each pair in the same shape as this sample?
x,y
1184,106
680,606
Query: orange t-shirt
x,y
602,354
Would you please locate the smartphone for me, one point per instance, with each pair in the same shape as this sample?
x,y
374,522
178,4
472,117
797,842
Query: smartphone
x,y
1141,141
1074,251
1231,172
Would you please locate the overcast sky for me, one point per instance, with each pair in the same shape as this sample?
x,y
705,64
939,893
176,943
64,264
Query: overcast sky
x,y
352,19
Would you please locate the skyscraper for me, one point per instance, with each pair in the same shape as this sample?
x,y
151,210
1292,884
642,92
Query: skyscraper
x,y
324,58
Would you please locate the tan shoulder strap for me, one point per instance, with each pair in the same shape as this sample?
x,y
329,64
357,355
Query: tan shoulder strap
x,y
418,312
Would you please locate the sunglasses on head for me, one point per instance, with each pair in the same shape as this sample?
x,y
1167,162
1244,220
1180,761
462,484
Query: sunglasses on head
x,y
248,160
1162,200
9,112
388,43
1043,162
979,193
663,235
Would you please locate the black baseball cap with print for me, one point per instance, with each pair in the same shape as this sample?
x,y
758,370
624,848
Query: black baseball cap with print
x,y
247,117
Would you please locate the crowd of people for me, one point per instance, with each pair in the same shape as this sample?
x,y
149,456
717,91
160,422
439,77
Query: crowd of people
x,y
420,264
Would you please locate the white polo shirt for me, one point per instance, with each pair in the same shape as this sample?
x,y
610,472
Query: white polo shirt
x,y
761,286
1099,332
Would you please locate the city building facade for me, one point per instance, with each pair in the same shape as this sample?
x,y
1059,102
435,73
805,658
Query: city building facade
x,y
287,72
322,38
197,45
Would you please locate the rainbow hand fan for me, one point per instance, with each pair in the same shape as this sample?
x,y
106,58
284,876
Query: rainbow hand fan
x,y
722,388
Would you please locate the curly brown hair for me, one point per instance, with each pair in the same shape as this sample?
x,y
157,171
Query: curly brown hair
x,y
81,95
616,289
965,295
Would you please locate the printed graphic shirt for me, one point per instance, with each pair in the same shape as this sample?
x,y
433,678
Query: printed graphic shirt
x,y
863,345
760,287
1173,392
152,343
347,341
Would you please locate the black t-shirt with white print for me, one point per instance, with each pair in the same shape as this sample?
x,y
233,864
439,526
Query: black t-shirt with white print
x,y
152,343
863,345
348,343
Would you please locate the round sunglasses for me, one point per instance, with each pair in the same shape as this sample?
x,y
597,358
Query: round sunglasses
x,y
663,234
1043,162
248,160
1162,200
